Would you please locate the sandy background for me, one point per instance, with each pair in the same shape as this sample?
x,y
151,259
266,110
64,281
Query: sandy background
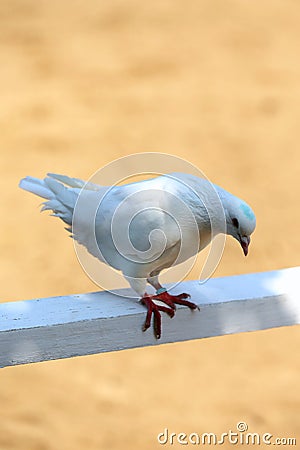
x,y
82,83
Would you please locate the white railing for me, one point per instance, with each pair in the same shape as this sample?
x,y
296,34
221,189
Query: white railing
x,y
63,327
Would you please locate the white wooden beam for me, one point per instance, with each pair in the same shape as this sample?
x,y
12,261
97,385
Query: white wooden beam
x,y
62,327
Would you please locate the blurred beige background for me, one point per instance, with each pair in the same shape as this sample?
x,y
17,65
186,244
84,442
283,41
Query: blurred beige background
x,y
84,82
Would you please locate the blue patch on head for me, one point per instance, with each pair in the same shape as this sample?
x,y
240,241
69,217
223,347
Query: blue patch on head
x,y
247,211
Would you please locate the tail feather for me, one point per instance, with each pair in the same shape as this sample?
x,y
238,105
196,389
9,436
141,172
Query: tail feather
x,y
37,187
74,182
60,199
61,193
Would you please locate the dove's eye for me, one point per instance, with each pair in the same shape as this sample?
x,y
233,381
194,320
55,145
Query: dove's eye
x,y
235,222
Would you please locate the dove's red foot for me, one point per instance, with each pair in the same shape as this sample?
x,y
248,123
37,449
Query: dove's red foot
x,y
153,308
173,300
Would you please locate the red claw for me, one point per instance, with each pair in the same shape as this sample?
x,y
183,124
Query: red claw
x,y
173,300
155,309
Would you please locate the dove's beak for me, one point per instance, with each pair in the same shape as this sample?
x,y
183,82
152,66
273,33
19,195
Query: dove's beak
x,y
245,241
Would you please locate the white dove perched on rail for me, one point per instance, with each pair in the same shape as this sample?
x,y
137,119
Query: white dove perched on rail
x,y
145,227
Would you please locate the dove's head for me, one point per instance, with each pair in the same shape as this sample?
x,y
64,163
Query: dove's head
x,y
241,222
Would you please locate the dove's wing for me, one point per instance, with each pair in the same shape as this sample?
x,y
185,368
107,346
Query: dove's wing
x,y
140,227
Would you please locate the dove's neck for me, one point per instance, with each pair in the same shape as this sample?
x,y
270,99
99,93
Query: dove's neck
x,y
206,202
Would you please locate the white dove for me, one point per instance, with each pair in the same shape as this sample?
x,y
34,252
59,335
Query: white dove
x,y
144,227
